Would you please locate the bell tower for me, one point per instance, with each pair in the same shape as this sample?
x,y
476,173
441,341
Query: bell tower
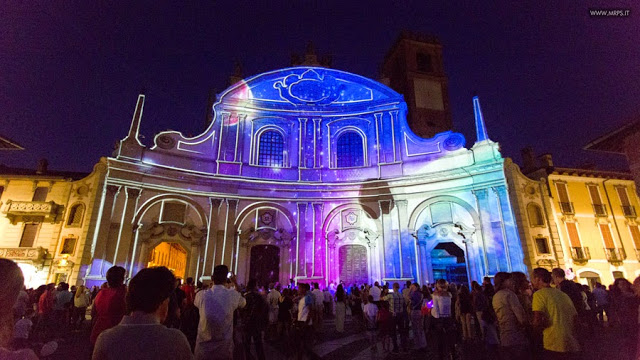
x,y
414,68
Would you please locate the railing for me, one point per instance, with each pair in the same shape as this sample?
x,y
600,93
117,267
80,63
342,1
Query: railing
x,y
566,208
33,211
615,255
580,254
629,211
23,253
599,210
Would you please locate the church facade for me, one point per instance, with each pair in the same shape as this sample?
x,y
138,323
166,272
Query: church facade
x,y
310,174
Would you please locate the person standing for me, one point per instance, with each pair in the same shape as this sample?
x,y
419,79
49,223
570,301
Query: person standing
x,y
81,301
375,291
602,302
318,303
341,308
443,321
555,315
109,306
370,318
216,307
464,312
398,308
511,319
273,299
304,323
255,317
415,304
141,335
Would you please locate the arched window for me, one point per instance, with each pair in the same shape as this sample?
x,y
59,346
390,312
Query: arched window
x,y
271,149
75,215
349,150
535,215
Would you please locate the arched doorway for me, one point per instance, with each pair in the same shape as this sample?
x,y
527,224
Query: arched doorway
x,y
447,262
353,264
265,264
170,255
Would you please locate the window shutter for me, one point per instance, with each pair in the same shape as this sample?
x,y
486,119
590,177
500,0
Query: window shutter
x,y
29,235
606,236
574,238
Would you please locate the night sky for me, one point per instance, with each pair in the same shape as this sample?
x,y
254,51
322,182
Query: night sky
x,y
547,75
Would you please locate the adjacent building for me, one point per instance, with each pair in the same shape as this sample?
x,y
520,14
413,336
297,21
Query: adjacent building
x,y
47,221
582,220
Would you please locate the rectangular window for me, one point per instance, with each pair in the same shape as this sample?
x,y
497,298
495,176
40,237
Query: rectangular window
x,y
174,212
40,194
28,235
543,246
622,194
635,235
595,194
606,236
563,195
574,238
68,246
423,62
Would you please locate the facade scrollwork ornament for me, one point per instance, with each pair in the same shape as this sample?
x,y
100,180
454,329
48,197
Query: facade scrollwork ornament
x,y
279,237
188,232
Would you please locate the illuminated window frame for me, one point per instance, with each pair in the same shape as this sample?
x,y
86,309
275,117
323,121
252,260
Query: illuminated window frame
x,y
538,209
256,146
336,137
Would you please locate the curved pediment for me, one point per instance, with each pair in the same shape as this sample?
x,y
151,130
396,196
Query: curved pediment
x,y
307,89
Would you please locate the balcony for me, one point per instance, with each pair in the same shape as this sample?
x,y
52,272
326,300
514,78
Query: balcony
x,y
566,208
33,211
580,254
599,210
629,211
615,255
23,253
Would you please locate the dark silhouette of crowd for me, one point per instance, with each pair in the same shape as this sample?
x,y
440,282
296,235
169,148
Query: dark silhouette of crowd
x,y
156,316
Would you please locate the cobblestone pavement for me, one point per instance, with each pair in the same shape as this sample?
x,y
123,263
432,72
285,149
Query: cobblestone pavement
x,y
603,343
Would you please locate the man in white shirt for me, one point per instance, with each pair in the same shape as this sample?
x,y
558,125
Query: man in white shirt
x,y
216,307
318,301
375,292
273,299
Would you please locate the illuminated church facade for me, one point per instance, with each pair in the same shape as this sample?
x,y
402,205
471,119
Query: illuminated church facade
x,y
311,174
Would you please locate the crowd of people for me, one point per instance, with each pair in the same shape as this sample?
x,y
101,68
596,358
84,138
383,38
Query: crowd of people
x,y
155,316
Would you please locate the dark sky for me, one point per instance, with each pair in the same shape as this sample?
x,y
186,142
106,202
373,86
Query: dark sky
x,y
547,75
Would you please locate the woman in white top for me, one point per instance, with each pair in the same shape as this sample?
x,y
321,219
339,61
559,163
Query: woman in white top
x,y
81,301
443,322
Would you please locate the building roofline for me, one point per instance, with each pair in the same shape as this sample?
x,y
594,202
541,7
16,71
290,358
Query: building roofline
x,y
611,142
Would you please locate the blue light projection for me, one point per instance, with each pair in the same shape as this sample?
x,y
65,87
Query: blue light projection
x,y
333,152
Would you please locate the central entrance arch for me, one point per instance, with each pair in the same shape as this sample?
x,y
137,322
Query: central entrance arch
x,y
353,264
448,262
265,264
170,255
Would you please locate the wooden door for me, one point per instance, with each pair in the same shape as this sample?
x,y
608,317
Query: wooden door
x,y
353,264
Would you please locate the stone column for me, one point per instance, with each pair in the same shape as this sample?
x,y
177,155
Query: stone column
x,y
482,201
144,252
423,271
193,259
211,242
385,209
513,247
301,239
318,241
100,237
123,248
229,233
405,266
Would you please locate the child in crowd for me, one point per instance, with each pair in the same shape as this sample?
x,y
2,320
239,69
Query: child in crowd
x,y
385,324
370,317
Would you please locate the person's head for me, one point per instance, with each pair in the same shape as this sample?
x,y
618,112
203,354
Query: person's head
x,y
396,287
636,286
520,281
486,280
502,280
376,284
10,286
370,298
414,287
475,286
80,291
220,273
557,276
189,281
407,284
115,276
540,278
622,285
441,285
303,288
63,286
149,291
251,285
464,291
316,286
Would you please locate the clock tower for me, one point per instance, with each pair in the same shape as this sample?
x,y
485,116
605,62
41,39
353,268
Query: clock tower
x,y
414,68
